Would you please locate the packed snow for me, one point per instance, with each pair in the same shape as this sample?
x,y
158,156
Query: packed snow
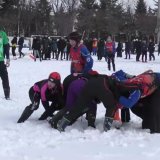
x,y
36,140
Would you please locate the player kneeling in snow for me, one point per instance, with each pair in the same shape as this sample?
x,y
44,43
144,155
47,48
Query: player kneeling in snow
x,y
73,86
107,90
96,89
48,90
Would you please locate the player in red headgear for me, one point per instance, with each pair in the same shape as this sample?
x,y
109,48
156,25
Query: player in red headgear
x,y
54,79
48,90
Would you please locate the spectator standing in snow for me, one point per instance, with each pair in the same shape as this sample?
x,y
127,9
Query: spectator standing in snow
x,y
54,48
61,45
101,49
151,49
20,46
128,49
37,48
14,45
94,46
138,46
110,53
119,49
144,51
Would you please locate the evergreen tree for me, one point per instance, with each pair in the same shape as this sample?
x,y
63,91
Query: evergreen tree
x,y
145,22
103,18
8,14
113,15
128,26
42,18
86,16
6,6
87,4
103,4
64,16
141,8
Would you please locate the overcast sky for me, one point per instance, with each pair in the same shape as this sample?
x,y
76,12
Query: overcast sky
x,y
150,2
133,2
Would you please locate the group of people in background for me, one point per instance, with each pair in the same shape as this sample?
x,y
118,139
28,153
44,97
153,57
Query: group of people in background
x,y
50,48
14,43
46,48
139,47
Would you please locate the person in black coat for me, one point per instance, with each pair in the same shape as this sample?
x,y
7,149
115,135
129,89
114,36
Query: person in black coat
x,y
37,48
88,43
138,46
14,45
20,43
119,49
144,50
151,49
61,44
54,47
68,51
128,49
100,51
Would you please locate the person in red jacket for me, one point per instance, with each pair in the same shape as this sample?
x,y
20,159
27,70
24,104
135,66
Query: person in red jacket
x,y
94,46
81,60
48,90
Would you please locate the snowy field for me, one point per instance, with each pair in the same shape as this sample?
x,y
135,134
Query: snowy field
x,y
36,140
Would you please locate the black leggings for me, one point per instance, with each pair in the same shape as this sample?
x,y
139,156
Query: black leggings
x,y
5,79
149,110
34,97
110,59
13,51
151,55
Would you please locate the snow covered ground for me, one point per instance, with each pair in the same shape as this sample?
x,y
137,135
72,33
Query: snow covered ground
x,y
36,140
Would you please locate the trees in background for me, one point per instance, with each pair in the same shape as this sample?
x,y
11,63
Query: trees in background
x,y
60,17
26,16
145,20
65,12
